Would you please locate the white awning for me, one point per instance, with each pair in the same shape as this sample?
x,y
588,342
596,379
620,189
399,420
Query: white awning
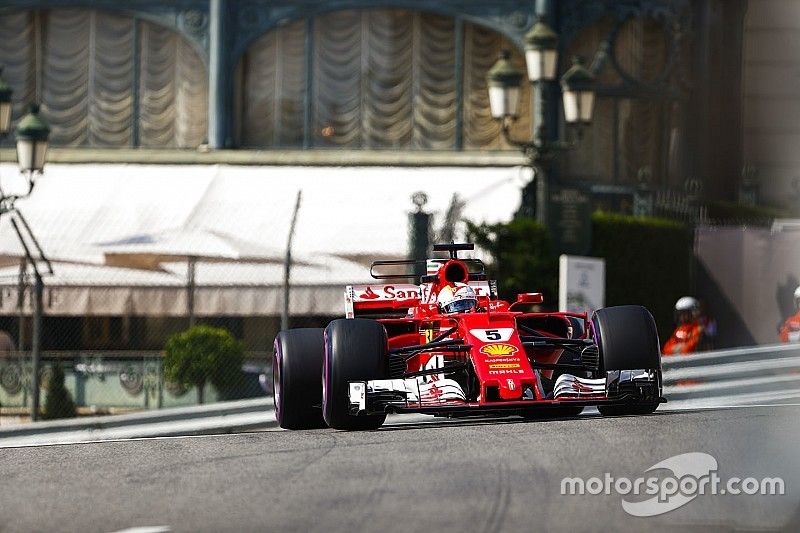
x,y
346,212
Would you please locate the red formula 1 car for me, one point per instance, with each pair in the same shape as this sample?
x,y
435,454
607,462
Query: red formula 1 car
x,y
400,349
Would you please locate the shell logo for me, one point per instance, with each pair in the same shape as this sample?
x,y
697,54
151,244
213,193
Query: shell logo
x,y
499,349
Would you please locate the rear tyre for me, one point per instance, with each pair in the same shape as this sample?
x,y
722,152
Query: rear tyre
x,y
297,376
628,340
356,349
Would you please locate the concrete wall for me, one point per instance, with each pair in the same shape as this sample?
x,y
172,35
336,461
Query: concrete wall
x,y
747,277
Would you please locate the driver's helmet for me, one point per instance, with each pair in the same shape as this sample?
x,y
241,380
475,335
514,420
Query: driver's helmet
x,y
457,298
797,298
686,309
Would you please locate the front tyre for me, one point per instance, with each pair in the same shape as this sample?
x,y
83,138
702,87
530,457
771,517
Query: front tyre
x,y
356,349
297,376
627,339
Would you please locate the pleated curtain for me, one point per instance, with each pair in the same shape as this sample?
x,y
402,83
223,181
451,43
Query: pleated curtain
x,y
380,79
80,64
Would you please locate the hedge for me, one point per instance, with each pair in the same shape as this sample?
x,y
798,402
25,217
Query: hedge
x,y
522,257
648,262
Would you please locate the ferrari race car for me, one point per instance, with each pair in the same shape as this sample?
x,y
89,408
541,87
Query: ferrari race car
x,y
399,350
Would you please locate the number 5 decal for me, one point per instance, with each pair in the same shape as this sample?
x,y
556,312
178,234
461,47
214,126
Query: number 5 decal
x,y
493,335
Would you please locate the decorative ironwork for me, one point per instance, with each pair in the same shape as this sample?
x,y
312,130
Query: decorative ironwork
x,y
194,22
508,17
674,18
131,379
11,378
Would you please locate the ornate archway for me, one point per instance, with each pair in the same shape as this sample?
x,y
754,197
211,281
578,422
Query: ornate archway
x,y
373,79
105,78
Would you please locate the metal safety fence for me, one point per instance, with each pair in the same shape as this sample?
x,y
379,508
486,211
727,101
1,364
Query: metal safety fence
x,y
742,376
97,382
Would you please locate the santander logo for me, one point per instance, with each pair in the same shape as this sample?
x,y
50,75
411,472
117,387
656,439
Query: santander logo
x,y
369,294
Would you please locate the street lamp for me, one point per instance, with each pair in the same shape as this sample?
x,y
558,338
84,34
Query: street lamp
x,y
32,134
577,84
503,80
541,52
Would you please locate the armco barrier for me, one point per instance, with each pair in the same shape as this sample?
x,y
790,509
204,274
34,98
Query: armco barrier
x,y
222,417
741,376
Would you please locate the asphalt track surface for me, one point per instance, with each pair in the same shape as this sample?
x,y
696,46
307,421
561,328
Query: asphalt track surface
x,y
437,475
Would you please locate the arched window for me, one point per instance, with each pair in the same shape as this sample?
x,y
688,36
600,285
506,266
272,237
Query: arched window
x,y
105,79
373,79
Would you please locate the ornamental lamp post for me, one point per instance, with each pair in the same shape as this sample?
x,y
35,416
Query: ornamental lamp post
x,y
504,88
32,134
577,84
541,52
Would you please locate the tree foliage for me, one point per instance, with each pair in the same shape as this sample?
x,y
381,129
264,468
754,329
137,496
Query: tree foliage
x,y
204,354
522,257
648,260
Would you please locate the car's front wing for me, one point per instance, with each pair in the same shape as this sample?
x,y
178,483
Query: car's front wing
x,y
445,395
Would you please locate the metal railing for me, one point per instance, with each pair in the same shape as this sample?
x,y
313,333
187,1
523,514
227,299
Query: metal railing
x,y
741,376
99,381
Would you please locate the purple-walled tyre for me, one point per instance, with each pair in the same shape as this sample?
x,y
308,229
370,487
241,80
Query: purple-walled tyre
x,y
356,349
297,377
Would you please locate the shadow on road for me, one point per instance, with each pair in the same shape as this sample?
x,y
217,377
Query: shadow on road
x,y
476,421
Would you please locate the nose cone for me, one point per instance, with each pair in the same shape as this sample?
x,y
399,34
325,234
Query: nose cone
x,y
510,389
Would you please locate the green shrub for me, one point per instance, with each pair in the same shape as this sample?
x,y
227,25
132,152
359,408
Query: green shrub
x,y
648,262
205,354
59,403
522,257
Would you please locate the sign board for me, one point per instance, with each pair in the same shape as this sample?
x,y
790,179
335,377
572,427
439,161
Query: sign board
x,y
569,214
581,283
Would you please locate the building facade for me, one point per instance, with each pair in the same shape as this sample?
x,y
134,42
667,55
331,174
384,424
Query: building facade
x,y
368,76
360,82
772,99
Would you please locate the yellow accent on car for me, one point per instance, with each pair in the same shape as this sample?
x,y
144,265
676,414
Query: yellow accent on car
x,y
499,349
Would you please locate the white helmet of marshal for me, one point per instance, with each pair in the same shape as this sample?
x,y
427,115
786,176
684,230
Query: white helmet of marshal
x,y
687,303
797,297
457,298
686,309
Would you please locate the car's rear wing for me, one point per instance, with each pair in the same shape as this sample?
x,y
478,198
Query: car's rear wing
x,y
394,298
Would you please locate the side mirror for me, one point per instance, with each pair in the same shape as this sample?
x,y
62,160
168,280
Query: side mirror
x,y
530,298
